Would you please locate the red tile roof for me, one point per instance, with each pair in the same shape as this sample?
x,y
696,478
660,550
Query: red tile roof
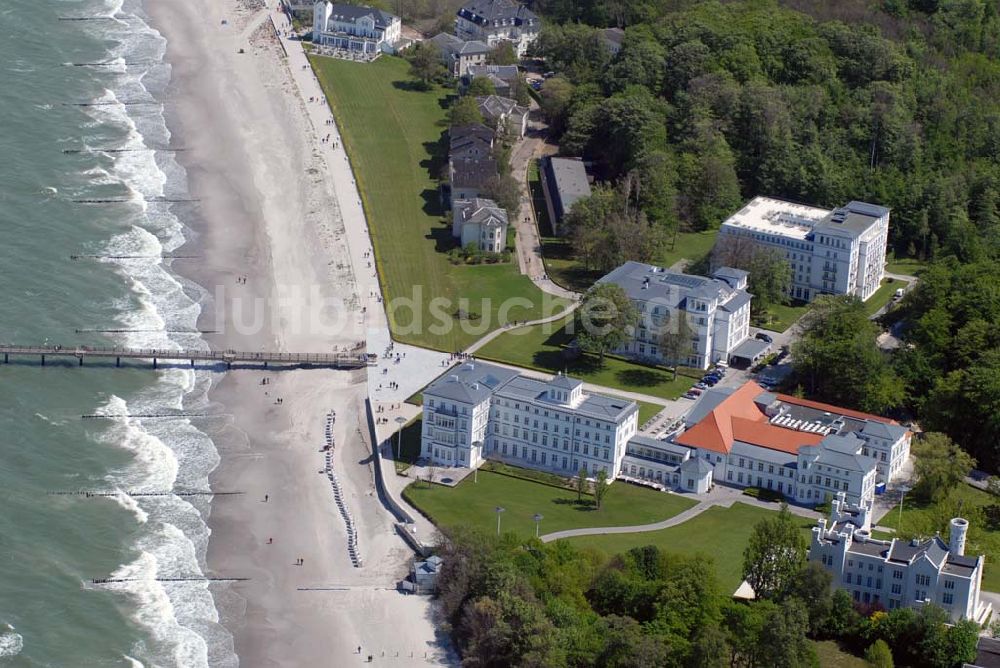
x,y
738,418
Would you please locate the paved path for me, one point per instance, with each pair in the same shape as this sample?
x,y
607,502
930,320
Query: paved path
x,y
721,496
528,240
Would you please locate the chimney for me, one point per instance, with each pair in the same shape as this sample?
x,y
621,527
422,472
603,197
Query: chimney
x,y
956,536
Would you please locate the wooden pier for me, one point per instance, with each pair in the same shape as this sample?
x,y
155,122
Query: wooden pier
x,y
350,360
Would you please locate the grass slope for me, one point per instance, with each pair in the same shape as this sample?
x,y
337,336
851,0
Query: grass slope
x,y
473,504
718,533
396,138
540,347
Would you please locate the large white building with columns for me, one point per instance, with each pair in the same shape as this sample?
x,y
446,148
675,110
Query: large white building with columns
x,y
477,411
355,28
899,573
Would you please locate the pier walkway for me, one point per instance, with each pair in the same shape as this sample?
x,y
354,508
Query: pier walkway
x,y
348,360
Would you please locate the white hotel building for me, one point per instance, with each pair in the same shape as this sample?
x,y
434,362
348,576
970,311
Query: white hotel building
x,y
839,252
716,309
480,410
355,28
899,573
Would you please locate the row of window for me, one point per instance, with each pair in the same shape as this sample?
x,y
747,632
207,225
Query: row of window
x,y
542,458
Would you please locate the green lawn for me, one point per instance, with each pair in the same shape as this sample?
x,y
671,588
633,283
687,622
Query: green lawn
x,y
782,316
397,140
907,266
718,533
693,246
473,504
922,519
883,295
540,347
832,656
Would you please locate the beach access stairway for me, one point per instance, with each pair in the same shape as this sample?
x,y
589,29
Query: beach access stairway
x,y
344,360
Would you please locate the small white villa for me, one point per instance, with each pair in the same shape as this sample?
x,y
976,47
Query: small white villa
x,y
481,222
363,30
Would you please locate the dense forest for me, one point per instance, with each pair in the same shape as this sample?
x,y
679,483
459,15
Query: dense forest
x,y
897,102
511,603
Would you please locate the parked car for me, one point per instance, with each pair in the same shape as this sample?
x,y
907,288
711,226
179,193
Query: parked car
x,y
536,84
710,381
700,386
761,336
695,391
690,395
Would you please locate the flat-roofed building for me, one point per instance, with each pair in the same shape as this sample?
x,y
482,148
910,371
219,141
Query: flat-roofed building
x,y
716,311
899,573
840,252
564,182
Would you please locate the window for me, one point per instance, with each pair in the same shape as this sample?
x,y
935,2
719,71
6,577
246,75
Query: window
x,y
923,580
949,584
947,598
897,589
897,575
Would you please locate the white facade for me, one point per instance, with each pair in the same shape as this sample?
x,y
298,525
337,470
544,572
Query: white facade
x,y
717,311
806,451
480,222
839,252
478,410
897,573
355,28
498,21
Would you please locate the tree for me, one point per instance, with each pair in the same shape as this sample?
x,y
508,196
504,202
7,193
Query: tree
x,y
425,64
555,95
464,111
675,339
811,585
480,87
774,554
940,466
502,54
879,655
600,487
581,483
605,319
837,358
770,273
505,191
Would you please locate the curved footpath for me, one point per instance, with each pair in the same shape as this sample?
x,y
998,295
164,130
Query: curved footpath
x,y
724,497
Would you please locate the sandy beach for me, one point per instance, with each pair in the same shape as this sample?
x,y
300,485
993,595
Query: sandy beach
x,y
272,251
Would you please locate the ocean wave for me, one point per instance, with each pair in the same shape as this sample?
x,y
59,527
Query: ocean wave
x,y
172,538
11,642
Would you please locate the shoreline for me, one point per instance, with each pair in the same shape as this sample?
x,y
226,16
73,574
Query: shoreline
x,y
269,217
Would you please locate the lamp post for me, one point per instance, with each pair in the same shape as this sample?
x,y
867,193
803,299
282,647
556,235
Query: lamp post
x,y
538,519
400,420
499,509
903,489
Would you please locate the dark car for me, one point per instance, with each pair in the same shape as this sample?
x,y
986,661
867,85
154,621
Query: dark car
x,y
761,336
710,381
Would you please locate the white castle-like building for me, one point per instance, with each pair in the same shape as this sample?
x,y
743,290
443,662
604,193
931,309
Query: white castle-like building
x,y
839,252
898,573
355,28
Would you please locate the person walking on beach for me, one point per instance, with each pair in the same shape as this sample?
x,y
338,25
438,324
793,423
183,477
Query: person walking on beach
x,y
266,497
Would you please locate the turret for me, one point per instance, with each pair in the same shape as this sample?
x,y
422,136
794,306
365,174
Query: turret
x,y
958,527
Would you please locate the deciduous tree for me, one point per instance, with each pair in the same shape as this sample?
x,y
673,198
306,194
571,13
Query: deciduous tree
x,y
774,554
605,319
940,465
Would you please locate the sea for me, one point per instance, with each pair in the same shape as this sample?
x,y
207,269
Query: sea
x,y
81,118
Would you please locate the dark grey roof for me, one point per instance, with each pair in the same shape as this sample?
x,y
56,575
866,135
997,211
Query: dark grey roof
x,y
869,548
565,382
840,451
496,107
493,12
890,432
905,552
697,466
750,349
505,72
471,382
597,406
570,179
706,403
672,289
479,210
353,13
456,46
853,218
613,35
987,653
960,565
472,173
739,300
